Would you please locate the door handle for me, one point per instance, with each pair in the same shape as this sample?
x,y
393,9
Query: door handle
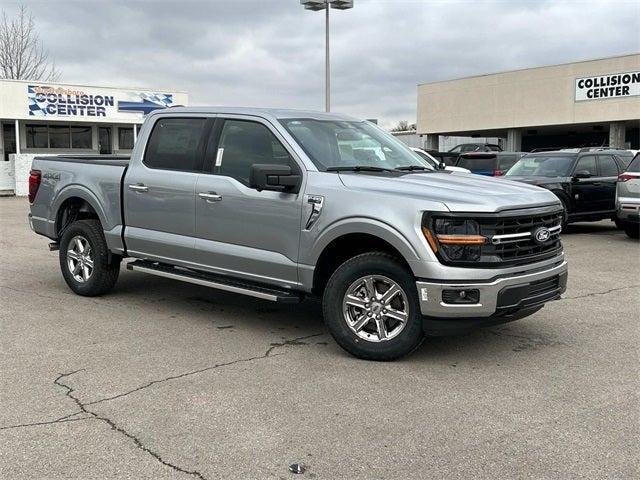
x,y
139,187
210,196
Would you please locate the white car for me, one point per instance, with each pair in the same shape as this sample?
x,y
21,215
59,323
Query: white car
x,y
435,163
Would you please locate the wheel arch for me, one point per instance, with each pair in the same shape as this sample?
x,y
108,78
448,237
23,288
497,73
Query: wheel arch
x,y
348,240
75,203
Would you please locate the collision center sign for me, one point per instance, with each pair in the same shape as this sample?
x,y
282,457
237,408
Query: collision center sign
x,y
64,101
614,85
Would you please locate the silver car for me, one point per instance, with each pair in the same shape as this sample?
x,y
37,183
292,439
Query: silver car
x,y
628,199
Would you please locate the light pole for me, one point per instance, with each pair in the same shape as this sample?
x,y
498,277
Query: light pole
x,y
316,5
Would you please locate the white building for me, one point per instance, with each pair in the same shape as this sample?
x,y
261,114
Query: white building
x,y
44,118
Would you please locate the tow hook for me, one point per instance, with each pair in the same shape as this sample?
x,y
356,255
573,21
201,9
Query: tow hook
x,y
54,246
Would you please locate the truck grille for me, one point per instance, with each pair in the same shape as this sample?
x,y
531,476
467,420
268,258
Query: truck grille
x,y
512,239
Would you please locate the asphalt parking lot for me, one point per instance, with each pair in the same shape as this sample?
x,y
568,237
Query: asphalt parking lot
x,y
167,380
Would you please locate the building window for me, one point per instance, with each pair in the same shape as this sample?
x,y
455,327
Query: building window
x,y
59,136
37,136
81,137
125,138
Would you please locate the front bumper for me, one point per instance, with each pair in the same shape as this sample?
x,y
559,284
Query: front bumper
x,y
502,296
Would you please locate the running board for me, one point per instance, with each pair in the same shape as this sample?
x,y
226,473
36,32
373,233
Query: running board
x,y
219,282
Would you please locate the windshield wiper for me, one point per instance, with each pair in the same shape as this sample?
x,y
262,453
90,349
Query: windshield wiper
x,y
359,168
411,168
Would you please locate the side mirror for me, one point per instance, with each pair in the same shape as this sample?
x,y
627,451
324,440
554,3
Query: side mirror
x,y
279,178
582,174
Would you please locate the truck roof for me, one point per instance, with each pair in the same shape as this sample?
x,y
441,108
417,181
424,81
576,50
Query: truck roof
x,y
268,113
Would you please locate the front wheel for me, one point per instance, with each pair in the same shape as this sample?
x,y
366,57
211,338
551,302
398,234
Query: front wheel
x,y
87,266
371,307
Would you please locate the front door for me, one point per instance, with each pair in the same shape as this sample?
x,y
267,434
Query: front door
x,y
585,190
104,140
7,179
159,192
239,230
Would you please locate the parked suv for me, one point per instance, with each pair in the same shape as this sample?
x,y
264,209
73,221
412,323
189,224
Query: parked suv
x,y
628,199
583,180
492,164
280,204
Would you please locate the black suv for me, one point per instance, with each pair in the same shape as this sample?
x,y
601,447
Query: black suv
x,y
584,180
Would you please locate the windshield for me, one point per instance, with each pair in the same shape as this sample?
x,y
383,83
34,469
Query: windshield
x,y
542,166
332,144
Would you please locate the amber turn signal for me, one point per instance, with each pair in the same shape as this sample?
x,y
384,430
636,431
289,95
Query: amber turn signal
x,y
462,239
430,240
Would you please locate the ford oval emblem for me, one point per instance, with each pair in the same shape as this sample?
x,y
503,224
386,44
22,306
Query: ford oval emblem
x,y
541,235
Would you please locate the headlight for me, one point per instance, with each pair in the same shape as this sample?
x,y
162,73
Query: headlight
x,y
456,239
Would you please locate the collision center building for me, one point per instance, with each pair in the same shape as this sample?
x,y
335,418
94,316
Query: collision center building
x,y
587,103
39,118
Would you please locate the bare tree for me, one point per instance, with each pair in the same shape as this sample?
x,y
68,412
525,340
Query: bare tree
x,y
22,54
403,126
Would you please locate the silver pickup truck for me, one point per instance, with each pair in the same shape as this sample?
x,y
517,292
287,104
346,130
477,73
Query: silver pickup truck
x,y
281,204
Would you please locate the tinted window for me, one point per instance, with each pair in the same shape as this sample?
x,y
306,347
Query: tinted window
x,y
542,165
37,136
175,144
587,163
469,148
625,158
476,164
81,137
125,138
243,144
608,167
59,136
494,148
505,162
456,149
634,166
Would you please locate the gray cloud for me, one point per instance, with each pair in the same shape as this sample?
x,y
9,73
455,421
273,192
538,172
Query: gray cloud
x,y
271,52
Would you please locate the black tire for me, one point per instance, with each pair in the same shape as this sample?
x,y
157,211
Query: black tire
x,y
380,264
106,267
619,224
632,230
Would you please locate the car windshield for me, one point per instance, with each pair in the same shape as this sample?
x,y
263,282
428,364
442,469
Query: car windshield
x,y
542,166
333,144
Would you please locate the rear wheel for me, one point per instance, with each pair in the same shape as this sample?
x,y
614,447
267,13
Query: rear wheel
x,y
371,307
632,230
87,266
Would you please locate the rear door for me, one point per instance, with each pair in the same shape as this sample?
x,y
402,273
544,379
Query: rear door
x,y
608,175
159,192
239,230
586,194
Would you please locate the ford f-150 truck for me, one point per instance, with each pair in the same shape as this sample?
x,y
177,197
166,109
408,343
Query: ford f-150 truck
x,y
281,204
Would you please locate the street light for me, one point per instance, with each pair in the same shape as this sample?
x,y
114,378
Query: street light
x,y
316,5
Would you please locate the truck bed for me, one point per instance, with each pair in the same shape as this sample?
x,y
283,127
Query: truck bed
x,y
95,179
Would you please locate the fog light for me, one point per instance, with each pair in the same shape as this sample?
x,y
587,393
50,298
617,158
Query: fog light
x,y
461,296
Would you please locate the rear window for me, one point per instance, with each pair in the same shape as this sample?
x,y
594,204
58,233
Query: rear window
x,y
477,163
505,162
175,144
634,166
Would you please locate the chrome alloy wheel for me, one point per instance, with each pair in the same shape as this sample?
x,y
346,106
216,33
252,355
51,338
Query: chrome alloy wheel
x,y
375,308
79,259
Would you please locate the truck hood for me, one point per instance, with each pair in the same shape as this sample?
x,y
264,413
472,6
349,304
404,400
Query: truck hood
x,y
459,192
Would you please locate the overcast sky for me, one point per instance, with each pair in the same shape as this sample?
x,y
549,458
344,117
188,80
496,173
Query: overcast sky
x,y
271,52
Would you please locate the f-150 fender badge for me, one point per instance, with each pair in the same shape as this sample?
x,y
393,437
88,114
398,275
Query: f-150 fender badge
x,y
51,176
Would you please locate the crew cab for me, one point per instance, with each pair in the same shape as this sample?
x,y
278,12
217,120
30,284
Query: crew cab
x,y
283,204
583,180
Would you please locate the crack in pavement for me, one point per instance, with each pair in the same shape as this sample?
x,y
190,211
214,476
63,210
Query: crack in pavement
x,y
91,415
593,294
293,341
70,394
